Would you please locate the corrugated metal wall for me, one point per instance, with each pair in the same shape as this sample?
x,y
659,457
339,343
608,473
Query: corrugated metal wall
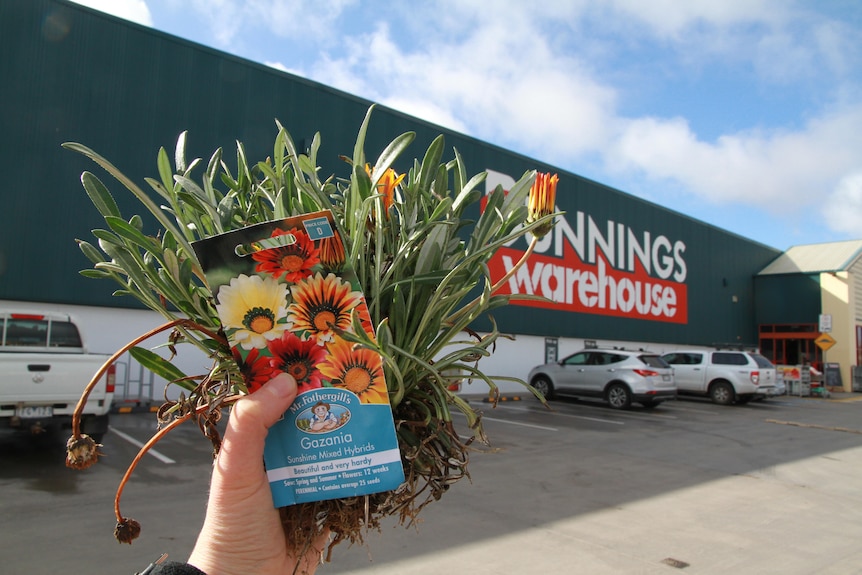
x,y
70,74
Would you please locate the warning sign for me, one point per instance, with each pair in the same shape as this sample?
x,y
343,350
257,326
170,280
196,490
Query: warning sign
x,y
824,341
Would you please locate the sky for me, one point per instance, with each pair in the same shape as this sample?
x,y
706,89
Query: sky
x,y
745,114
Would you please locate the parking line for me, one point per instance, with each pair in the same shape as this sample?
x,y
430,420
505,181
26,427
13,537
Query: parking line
x,y
511,407
519,423
138,444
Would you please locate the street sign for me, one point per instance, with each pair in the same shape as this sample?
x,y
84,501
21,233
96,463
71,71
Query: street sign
x,y
824,341
825,322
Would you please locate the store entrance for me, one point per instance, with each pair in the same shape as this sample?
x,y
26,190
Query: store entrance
x,y
790,344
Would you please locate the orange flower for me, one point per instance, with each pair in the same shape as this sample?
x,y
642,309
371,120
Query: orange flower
x,y
543,195
386,186
358,370
294,261
332,253
321,306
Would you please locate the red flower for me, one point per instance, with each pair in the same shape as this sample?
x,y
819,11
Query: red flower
x,y
298,358
255,369
294,260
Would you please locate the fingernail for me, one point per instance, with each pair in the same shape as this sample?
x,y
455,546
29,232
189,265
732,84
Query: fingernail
x,y
283,384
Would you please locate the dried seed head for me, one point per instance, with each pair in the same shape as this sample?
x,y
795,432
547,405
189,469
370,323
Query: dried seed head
x,y
127,530
82,452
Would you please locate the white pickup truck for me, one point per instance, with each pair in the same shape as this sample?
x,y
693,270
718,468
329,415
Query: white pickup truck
x,y
44,368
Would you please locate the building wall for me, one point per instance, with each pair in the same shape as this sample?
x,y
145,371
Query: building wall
x,y
73,74
837,289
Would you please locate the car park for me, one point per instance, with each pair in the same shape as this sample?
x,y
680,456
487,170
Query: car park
x,y
619,377
726,376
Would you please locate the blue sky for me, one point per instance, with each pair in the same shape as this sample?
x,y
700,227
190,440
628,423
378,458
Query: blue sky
x,y
746,114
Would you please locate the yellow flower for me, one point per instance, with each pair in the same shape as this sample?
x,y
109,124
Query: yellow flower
x,y
541,202
356,369
253,306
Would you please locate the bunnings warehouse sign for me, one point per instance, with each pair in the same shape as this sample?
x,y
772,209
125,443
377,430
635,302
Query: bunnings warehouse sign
x,y
599,267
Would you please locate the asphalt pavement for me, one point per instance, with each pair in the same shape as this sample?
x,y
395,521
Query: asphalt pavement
x,y
692,487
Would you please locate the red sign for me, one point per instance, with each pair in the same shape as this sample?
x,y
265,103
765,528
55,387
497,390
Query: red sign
x,y
598,267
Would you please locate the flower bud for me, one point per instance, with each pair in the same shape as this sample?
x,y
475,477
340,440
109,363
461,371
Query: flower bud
x,y
541,201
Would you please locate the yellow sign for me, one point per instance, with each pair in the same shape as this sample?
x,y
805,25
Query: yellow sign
x,y
824,341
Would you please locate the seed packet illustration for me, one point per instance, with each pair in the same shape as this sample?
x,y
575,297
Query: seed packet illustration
x,y
284,293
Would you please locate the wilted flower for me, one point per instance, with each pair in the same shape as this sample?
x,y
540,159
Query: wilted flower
x,y
541,202
127,530
82,452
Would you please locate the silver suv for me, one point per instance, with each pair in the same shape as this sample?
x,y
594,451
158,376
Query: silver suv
x,y
726,376
616,376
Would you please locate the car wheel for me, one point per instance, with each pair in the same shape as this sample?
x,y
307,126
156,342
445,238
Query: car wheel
x,y
618,396
544,386
722,393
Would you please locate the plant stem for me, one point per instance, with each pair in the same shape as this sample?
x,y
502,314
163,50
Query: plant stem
x,y
152,441
76,416
460,313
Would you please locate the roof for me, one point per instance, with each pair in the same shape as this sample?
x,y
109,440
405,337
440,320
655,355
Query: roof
x,y
816,258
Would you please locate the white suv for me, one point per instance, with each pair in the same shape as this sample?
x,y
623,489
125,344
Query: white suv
x,y
726,376
617,376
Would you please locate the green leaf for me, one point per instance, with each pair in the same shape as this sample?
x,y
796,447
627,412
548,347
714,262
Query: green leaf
x,y
129,232
99,195
160,366
90,251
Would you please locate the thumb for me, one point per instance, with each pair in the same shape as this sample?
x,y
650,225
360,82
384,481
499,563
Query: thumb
x,y
253,415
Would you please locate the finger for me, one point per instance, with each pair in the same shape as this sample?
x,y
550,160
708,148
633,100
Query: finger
x,y
251,418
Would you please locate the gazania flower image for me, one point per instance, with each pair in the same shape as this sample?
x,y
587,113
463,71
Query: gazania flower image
x,y
252,309
332,253
294,261
321,305
255,368
543,195
357,369
298,358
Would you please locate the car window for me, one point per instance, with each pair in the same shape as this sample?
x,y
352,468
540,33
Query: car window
x,y
683,358
653,361
761,361
64,334
581,358
26,332
729,358
609,358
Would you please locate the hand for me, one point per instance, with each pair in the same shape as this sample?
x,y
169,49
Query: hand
x,y
242,531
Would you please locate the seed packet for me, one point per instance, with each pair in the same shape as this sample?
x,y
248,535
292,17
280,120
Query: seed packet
x,y
284,294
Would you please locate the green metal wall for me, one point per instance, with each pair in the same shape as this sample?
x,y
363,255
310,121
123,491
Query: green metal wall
x,y
71,74
794,298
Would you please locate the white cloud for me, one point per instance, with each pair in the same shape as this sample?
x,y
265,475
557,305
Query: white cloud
x,y
843,207
231,20
782,172
133,10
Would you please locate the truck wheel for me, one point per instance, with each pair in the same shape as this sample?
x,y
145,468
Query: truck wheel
x,y
721,393
618,396
544,386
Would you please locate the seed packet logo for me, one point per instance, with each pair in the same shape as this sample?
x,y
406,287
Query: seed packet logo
x,y
322,417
